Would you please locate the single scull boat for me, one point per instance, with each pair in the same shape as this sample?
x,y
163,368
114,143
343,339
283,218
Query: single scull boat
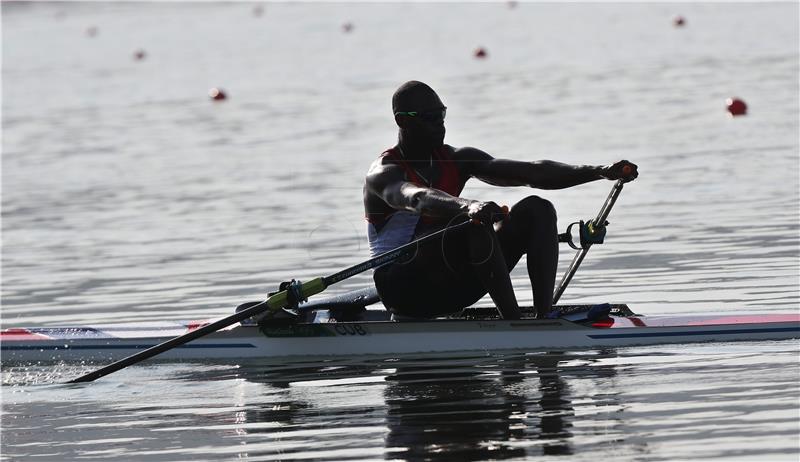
x,y
372,332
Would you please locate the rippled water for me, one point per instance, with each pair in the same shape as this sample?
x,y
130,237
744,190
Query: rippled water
x,y
729,402
127,196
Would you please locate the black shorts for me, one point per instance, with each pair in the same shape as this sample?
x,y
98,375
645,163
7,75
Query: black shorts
x,y
438,279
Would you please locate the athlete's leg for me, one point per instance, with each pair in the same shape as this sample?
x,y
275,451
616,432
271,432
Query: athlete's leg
x,y
456,271
489,264
531,229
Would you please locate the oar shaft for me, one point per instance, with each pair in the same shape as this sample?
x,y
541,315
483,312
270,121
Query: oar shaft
x,y
610,200
273,303
578,259
168,345
387,257
573,267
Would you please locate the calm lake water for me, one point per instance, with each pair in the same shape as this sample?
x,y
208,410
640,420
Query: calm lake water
x,y
128,195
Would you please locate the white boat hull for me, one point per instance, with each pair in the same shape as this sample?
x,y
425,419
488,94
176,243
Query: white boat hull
x,y
112,342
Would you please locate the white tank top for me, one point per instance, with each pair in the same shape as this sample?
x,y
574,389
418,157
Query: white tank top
x,y
398,230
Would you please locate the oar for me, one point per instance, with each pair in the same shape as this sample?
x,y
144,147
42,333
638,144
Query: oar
x,y
597,223
273,303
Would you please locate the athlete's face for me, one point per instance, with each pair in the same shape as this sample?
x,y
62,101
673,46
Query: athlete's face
x,y
422,118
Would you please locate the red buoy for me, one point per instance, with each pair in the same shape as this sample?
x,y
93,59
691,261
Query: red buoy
x,y
91,31
258,11
217,94
139,55
347,27
678,21
736,107
480,53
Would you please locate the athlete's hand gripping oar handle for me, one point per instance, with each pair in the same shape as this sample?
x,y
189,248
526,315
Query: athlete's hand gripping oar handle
x,y
599,221
273,303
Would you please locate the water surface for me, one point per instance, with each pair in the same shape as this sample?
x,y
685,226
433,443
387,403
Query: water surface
x,y
127,195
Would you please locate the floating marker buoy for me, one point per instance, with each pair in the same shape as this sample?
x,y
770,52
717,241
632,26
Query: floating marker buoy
x,y
736,107
480,53
511,3
258,10
217,94
139,55
91,31
347,27
678,21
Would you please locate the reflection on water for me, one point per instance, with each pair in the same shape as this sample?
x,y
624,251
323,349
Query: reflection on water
x,y
434,408
622,404
478,413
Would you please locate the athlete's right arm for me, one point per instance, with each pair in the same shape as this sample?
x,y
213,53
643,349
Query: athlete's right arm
x,y
388,181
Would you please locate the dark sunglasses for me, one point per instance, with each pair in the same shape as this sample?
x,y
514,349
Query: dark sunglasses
x,y
434,115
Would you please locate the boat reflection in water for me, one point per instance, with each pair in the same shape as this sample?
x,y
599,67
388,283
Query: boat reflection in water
x,y
456,408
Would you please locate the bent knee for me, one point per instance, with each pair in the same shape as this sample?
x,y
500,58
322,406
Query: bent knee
x,y
534,207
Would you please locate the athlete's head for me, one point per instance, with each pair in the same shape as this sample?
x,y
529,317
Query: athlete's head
x,y
419,113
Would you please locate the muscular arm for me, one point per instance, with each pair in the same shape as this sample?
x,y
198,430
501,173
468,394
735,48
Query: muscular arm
x,y
387,181
543,174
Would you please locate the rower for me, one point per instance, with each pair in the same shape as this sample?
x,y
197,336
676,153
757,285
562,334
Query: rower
x,y
414,188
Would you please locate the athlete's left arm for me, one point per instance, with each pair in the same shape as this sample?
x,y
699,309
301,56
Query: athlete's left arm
x,y
542,174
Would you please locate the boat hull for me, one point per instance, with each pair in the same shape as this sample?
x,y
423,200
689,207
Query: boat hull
x,y
113,342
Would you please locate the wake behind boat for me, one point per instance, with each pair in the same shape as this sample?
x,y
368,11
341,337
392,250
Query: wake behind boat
x,y
354,331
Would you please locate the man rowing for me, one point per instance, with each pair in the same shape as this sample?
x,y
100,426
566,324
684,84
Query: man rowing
x,y
413,189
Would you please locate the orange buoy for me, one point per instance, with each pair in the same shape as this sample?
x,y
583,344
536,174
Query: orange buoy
x,y
480,53
139,55
678,21
736,107
217,94
347,27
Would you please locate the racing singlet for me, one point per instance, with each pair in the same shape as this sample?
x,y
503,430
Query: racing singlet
x,y
390,228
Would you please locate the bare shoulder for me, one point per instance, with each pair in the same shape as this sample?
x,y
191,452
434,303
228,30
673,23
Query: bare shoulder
x,y
469,153
470,159
381,166
382,172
